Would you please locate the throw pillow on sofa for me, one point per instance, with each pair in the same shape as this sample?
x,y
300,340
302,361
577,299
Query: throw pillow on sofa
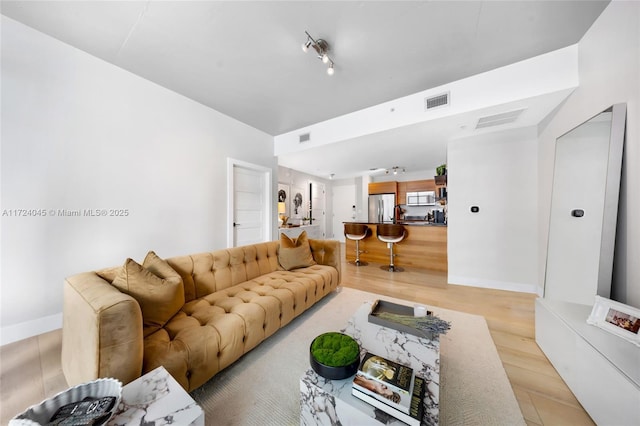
x,y
295,253
160,267
160,297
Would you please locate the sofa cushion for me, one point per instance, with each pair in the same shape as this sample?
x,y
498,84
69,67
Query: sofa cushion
x,y
295,253
160,298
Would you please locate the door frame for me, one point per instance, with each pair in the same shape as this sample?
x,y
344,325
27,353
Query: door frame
x,y
268,199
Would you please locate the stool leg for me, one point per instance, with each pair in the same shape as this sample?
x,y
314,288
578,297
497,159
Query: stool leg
x,y
391,267
359,262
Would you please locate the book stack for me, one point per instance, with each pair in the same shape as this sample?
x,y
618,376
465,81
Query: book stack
x,y
391,387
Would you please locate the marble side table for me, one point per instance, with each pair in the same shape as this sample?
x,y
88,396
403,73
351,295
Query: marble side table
x,y
156,399
330,402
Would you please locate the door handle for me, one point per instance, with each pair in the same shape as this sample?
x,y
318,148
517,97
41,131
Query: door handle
x,y
235,224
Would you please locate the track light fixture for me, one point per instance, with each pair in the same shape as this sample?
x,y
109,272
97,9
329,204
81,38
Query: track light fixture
x,y
395,170
322,48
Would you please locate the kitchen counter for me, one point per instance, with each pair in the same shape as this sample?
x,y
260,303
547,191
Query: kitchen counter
x,y
424,246
419,223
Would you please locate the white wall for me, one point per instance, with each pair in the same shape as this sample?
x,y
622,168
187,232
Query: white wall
x,y
609,68
496,247
79,133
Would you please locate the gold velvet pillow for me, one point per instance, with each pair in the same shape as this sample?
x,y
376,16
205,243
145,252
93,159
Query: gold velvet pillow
x,y
160,297
295,253
159,267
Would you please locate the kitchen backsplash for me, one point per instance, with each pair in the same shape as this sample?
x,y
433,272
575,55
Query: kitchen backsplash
x,y
420,211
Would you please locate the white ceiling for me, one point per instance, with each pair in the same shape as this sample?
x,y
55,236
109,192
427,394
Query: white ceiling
x,y
244,58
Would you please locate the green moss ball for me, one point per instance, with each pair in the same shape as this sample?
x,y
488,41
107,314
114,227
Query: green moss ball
x,y
335,349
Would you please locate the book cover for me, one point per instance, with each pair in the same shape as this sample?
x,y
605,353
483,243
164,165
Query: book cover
x,y
390,372
385,380
416,412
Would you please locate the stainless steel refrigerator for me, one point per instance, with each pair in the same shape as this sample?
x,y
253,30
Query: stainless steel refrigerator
x,y
382,208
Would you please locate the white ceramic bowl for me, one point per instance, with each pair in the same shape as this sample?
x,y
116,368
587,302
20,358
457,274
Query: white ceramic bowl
x,y
40,414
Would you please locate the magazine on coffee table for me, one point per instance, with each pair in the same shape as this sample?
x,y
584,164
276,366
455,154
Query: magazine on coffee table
x,y
385,380
416,409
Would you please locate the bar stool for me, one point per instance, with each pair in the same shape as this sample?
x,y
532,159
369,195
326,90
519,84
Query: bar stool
x,y
357,232
391,234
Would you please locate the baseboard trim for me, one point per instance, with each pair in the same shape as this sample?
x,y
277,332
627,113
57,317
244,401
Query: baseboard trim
x,y
24,330
496,285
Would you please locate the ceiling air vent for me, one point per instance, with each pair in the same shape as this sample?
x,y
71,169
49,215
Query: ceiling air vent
x,y
305,137
498,119
436,101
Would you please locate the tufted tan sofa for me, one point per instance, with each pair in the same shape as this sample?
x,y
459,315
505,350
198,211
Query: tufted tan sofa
x,y
233,300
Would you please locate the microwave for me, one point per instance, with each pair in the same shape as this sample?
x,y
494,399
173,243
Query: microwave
x,y
421,198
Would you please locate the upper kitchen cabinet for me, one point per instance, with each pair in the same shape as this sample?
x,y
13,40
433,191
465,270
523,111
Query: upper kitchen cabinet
x,y
383,188
421,185
401,188
414,186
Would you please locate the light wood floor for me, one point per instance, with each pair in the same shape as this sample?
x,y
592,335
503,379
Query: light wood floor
x,y
543,396
30,369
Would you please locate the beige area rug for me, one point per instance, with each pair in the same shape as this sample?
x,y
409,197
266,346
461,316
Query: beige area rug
x,y
262,388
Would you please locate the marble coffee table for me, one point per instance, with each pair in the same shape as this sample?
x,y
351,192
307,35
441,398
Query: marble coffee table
x,y
157,399
330,402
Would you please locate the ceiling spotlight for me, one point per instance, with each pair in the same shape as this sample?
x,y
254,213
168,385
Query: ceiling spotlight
x,y
322,48
305,46
330,69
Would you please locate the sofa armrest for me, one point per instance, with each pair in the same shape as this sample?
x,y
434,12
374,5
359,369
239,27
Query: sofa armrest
x,y
101,331
327,252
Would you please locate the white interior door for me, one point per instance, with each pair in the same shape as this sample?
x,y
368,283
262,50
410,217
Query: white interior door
x,y
250,195
344,201
318,206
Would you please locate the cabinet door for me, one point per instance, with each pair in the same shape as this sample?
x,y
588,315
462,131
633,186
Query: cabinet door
x,y
420,185
402,193
383,187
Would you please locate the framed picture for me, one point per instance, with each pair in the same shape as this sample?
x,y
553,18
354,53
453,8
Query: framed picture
x,y
297,202
284,197
617,318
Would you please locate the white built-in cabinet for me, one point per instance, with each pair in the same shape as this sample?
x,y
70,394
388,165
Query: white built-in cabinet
x,y
600,368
